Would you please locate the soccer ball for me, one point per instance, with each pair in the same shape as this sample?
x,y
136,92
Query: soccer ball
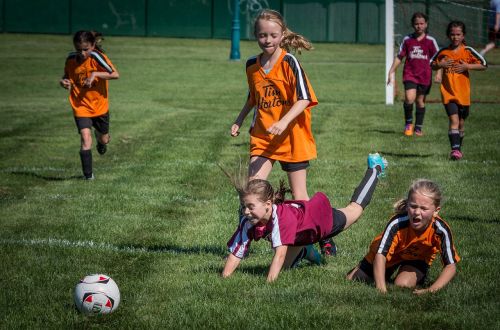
x,y
97,294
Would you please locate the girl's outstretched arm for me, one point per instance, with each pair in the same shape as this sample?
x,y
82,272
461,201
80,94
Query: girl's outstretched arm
x,y
277,263
235,129
463,67
279,127
379,272
444,278
232,263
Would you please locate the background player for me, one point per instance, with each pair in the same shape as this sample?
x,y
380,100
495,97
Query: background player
x,y
418,48
86,75
457,60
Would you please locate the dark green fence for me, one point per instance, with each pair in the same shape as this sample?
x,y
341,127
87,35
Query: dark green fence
x,y
322,20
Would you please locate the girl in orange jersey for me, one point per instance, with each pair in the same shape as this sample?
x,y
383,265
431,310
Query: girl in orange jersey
x,y
282,98
86,75
457,60
409,244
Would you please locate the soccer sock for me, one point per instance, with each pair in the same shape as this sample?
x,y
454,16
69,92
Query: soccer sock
x,y
454,136
363,193
86,158
462,133
419,121
408,113
299,257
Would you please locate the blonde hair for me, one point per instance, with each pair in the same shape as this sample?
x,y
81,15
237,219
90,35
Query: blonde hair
x,y
291,41
425,187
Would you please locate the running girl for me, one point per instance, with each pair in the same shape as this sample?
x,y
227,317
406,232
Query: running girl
x,y
418,48
282,98
292,226
457,60
409,244
86,75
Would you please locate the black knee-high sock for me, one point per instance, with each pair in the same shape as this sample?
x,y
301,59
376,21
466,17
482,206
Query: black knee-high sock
x,y
86,158
461,133
419,121
454,136
408,113
363,193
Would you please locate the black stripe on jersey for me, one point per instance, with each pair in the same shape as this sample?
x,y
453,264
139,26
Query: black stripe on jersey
x,y
477,55
251,61
102,62
395,224
301,86
71,55
443,231
437,54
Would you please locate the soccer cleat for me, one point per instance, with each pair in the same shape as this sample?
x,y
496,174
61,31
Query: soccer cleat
x,y
409,130
101,148
418,132
328,247
312,255
456,155
375,160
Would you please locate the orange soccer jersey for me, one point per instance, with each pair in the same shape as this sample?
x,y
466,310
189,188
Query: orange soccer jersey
x,y
399,242
88,101
455,87
274,94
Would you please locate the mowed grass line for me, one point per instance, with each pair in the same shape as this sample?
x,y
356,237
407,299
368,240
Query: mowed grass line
x,y
160,212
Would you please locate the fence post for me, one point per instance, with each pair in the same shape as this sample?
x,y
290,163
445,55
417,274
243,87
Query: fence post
x,y
235,32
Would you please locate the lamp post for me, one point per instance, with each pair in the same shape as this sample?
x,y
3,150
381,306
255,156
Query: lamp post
x,y
235,32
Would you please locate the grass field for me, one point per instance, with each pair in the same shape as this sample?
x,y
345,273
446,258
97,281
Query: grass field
x,y
160,212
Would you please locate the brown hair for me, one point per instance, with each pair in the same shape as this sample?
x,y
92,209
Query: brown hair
x,y
418,15
453,24
261,188
93,37
425,187
291,41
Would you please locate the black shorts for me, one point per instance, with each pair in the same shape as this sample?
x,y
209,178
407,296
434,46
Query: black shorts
x,y
367,268
421,89
292,167
456,109
100,123
339,221
492,35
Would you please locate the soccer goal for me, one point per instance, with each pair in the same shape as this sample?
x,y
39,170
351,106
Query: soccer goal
x,y
474,13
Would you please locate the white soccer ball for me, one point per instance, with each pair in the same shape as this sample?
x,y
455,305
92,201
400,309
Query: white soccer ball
x,y
97,294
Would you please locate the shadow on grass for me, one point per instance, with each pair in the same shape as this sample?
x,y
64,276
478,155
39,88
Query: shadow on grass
x,y
383,131
400,155
174,249
46,177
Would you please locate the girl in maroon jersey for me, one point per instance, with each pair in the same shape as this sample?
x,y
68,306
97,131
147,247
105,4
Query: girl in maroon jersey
x,y
292,226
418,48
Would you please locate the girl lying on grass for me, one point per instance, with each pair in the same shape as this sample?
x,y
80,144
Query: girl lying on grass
x,y
409,244
293,226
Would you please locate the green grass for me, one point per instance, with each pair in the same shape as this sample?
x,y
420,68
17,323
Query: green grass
x,y
159,213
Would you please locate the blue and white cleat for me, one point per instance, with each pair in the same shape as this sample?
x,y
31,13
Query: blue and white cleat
x,y
375,160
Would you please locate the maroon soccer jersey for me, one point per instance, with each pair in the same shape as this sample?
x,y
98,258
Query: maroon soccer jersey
x,y
294,223
418,55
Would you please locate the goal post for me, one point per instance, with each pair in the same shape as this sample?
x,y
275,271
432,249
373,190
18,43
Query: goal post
x,y
389,49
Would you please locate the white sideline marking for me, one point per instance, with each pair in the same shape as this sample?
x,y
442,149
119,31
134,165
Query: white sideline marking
x,y
85,244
